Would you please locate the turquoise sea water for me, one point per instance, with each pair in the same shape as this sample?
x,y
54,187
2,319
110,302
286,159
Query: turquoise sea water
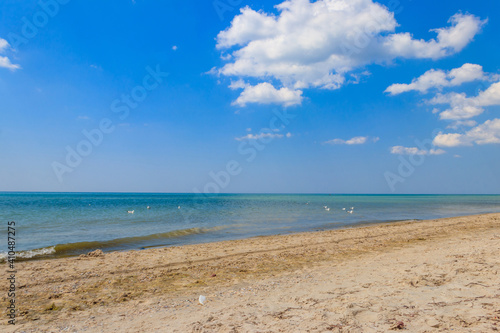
x,y
64,224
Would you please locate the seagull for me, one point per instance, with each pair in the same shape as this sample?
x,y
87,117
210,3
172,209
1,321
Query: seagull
x,y
178,207
327,209
350,212
148,207
352,208
343,208
130,211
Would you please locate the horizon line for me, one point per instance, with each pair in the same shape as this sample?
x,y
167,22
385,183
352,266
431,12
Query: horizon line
x,y
261,193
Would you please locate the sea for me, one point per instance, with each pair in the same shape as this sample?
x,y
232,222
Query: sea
x,y
69,224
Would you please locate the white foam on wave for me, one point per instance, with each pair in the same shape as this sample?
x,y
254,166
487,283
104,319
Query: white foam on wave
x,y
30,253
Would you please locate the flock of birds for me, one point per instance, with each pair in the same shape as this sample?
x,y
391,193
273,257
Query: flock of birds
x,y
326,208
148,207
344,209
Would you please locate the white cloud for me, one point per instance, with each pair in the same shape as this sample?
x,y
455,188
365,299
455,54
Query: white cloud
x,y
263,135
490,96
5,61
3,45
462,123
357,140
450,140
265,93
460,106
439,79
315,45
468,73
400,150
99,68
239,84
430,79
486,133
463,107
450,40
436,152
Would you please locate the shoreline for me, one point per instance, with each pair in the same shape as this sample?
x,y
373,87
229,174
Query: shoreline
x,y
53,291
65,224
49,252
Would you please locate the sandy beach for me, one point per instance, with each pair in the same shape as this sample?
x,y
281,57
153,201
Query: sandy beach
x,y
422,276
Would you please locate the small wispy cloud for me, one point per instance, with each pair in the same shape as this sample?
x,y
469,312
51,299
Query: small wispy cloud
x,y
400,150
486,133
263,135
265,93
438,79
5,61
462,123
357,140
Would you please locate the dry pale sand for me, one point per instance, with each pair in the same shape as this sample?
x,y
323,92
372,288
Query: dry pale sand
x,y
427,276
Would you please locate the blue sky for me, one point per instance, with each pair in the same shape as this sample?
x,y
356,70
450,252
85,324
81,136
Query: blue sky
x,y
331,96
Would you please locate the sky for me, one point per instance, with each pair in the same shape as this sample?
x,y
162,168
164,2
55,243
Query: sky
x,y
236,96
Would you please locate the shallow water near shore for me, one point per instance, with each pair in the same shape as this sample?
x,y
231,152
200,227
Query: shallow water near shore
x,y
66,224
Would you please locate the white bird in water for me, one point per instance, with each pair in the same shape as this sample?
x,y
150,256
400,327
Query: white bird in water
x,y
327,209
352,208
130,211
148,207
178,207
350,212
343,208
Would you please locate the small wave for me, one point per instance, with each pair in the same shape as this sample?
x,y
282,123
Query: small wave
x,y
30,254
72,249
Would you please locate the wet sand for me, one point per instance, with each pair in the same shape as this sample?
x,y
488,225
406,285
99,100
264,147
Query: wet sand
x,y
423,276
